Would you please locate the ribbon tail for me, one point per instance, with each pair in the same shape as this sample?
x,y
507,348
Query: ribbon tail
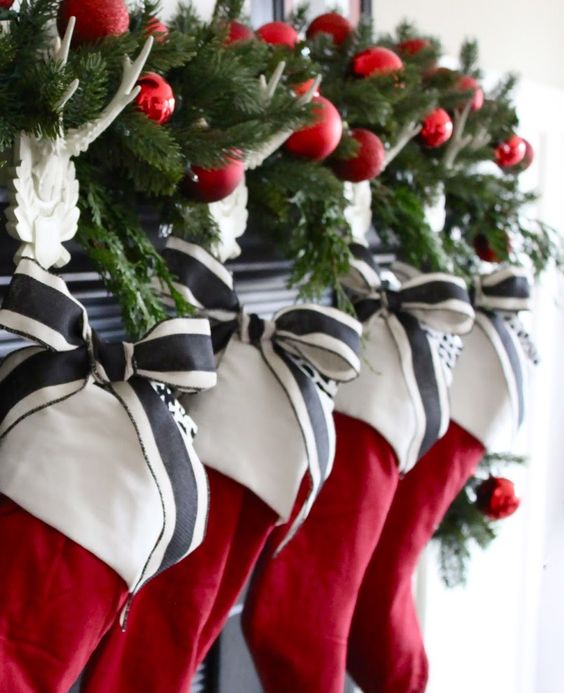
x,y
176,470
313,412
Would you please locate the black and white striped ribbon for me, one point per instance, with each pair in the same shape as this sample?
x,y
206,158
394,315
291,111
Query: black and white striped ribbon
x,y
499,297
325,338
435,300
177,352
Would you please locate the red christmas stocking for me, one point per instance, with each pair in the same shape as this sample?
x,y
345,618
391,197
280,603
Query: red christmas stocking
x,y
253,443
56,602
386,653
160,649
310,587
94,454
299,609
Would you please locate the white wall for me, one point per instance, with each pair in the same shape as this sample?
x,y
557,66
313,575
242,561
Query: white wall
x,y
519,35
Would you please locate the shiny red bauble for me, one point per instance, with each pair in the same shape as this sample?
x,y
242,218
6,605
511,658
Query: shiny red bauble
x,y
6,4
437,128
376,61
156,98
511,152
496,498
95,19
484,250
317,141
157,29
413,46
304,87
333,24
467,83
211,185
278,34
236,31
367,163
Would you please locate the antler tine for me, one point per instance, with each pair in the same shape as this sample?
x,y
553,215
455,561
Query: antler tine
x,y
458,141
73,86
62,48
79,139
267,89
406,135
308,96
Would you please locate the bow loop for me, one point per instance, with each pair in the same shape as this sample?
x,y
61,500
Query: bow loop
x,y
506,289
39,307
325,337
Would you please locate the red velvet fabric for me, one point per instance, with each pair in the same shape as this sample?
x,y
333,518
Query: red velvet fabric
x,y
386,652
300,605
174,619
57,600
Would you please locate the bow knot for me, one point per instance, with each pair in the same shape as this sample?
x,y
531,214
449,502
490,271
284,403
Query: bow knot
x,y
176,352
439,301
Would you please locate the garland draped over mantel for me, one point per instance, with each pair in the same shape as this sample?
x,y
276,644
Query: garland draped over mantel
x,y
225,113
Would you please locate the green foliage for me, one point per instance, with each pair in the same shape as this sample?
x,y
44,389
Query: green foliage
x,y
303,204
464,525
399,219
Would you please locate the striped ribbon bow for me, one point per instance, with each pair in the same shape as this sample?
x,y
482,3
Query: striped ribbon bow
x,y
302,345
499,297
70,355
436,301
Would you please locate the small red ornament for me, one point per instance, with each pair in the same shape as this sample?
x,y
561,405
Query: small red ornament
x,y
413,46
467,83
278,34
212,185
156,98
333,24
484,250
157,29
376,61
511,152
6,4
304,87
496,499
367,163
238,32
317,141
94,19
437,128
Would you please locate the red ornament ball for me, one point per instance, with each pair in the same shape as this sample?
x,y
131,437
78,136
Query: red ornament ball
x,y
157,29
236,31
333,24
496,498
511,152
376,61
467,83
212,185
156,98
6,4
304,87
317,141
413,46
437,128
484,250
367,163
278,34
94,19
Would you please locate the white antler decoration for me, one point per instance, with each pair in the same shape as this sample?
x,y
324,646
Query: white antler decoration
x,y
43,210
266,92
230,214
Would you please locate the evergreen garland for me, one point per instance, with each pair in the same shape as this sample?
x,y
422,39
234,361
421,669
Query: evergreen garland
x,y
465,525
